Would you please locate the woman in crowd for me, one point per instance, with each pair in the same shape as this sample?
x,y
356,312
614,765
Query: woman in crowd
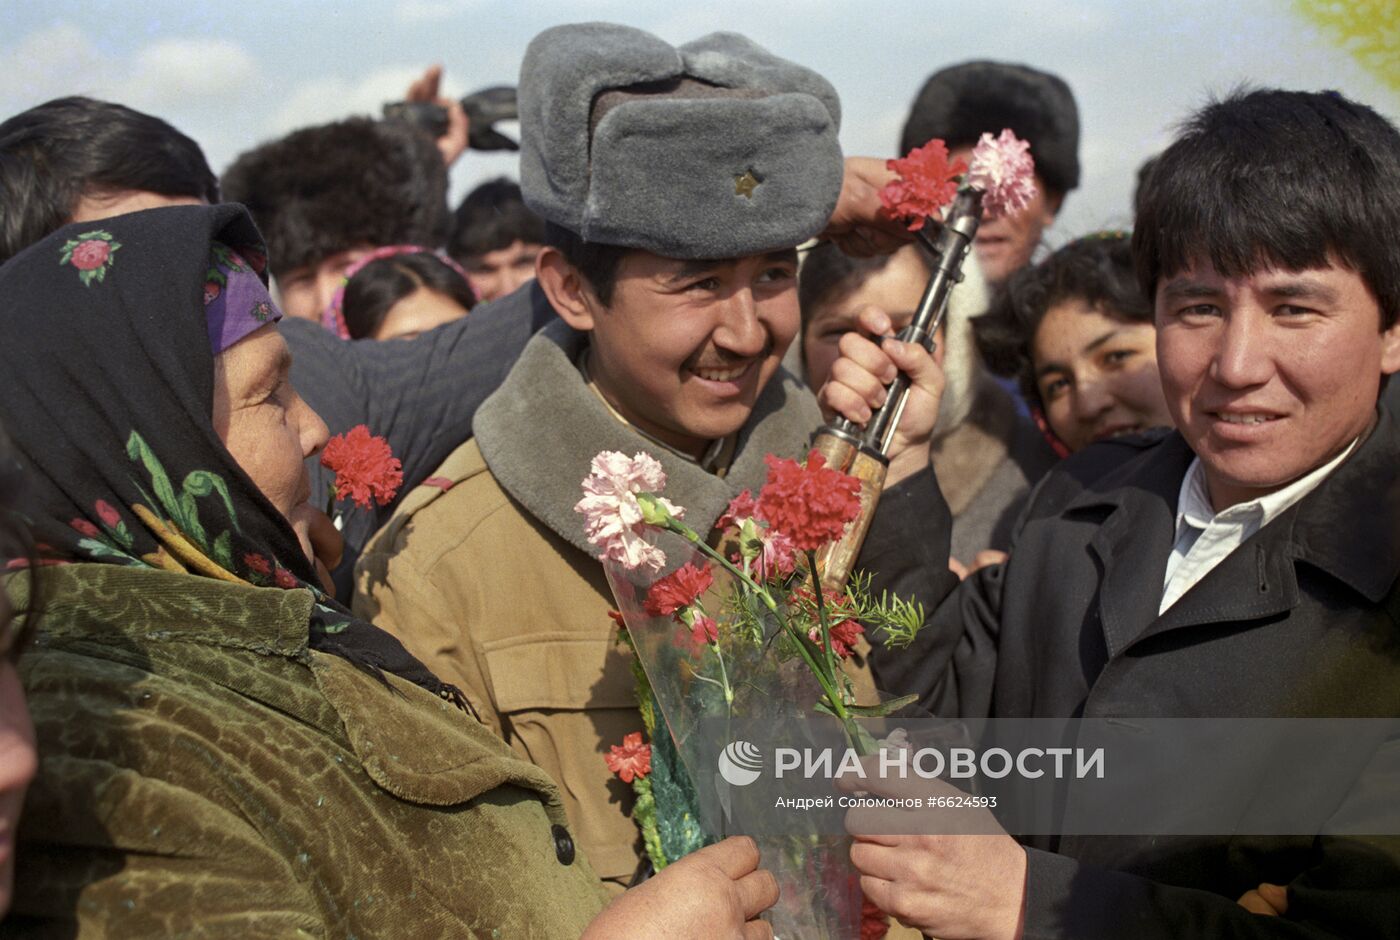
x,y
225,750
17,757
397,293
1076,332
986,455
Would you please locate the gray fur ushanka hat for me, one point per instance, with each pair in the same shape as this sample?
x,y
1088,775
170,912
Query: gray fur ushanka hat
x,y
715,149
964,101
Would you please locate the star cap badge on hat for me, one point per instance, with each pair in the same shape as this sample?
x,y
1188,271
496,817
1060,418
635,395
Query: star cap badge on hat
x,y
714,149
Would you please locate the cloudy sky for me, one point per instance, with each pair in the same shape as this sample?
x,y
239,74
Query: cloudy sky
x,y
232,75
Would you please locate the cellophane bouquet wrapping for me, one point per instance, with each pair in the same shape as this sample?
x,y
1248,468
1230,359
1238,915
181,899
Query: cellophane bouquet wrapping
x,y
739,634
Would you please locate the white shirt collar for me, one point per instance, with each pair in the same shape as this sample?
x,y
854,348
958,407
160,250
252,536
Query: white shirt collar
x,y
1194,506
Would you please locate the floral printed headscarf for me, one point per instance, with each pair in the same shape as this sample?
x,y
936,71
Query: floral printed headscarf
x,y
108,332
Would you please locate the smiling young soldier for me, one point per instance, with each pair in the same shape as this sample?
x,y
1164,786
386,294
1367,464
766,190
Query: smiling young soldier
x,y
675,183
1242,567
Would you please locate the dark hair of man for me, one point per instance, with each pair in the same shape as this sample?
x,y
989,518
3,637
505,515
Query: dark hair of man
x,y
828,273
15,546
1096,269
327,189
597,264
379,285
57,152
493,216
1268,178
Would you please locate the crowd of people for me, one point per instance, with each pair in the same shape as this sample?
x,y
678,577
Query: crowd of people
x,y
1146,474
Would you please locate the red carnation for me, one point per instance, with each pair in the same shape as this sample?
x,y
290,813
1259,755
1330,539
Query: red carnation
x,y
108,514
257,563
927,183
678,589
844,636
364,466
285,579
703,630
630,759
811,505
85,528
874,923
91,254
616,617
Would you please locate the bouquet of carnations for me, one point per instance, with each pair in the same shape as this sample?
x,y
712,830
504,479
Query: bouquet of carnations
x,y
744,628
732,632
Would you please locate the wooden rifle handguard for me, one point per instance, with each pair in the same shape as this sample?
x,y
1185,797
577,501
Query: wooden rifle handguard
x,y
862,453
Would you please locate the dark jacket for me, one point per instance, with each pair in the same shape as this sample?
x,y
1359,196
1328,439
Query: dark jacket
x,y
203,773
1300,621
420,394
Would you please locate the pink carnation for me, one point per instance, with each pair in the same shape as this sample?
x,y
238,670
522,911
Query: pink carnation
x,y
1003,169
777,558
741,507
612,517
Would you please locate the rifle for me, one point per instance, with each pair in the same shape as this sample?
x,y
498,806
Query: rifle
x,y
863,453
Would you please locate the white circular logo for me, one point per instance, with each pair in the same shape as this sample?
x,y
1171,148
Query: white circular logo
x,y
740,763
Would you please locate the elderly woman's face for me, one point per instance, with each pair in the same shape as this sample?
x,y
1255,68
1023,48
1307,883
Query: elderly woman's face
x,y
266,426
18,760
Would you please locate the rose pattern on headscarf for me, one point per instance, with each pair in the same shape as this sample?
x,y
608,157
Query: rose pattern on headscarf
x,y
109,402
91,253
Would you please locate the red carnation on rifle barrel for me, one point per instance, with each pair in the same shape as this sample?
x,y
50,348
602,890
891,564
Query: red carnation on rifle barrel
x,y
811,505
365,467
927,182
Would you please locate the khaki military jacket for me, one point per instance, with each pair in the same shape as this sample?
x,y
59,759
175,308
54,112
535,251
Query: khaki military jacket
x,y
205,774
485,575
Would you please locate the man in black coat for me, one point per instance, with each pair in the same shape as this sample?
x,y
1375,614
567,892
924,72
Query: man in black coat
x,y
1243,566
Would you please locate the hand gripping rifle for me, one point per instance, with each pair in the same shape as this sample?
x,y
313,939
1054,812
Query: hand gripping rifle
x,y
864,454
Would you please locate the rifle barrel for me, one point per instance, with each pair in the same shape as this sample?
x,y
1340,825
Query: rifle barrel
x,y
949,247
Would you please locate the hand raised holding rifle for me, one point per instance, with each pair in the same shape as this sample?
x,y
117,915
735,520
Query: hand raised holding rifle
x,y
885,390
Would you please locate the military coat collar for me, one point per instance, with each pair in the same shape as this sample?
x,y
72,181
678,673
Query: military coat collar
x,y
541,429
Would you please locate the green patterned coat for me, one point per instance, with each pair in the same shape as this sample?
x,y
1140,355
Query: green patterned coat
x,y
205,774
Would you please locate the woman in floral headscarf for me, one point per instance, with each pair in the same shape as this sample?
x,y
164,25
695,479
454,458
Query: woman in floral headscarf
x,y
226,750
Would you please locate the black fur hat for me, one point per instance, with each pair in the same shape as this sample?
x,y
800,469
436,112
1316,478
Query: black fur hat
x,y
962,102
322,190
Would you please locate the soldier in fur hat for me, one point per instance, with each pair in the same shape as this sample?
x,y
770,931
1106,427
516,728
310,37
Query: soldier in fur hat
x,y
675,183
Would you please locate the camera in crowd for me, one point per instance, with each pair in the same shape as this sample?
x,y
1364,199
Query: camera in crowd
x,y
484,107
